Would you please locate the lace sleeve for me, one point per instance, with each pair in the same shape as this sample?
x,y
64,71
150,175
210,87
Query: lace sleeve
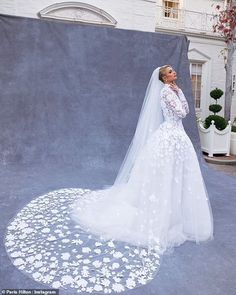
x,y
173,103
183,100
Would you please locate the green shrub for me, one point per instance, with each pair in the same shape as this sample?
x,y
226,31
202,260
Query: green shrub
x,y
220,122
215,108
216,93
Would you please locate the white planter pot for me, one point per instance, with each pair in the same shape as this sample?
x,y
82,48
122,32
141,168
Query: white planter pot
x,y
233,143
214,141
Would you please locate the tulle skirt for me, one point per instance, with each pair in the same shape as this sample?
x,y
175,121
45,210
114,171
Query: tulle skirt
x,y
164,203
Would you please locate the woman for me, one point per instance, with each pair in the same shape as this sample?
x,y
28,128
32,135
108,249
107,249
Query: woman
x,y
118,234
159,197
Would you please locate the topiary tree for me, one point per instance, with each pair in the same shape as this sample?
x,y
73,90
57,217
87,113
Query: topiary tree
x,y
220,122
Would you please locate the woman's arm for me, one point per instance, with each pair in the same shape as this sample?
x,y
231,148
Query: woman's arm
x,y
181,96
183,100
173,103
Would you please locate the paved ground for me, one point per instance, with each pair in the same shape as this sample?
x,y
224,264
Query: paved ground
x,y
222,163
228,169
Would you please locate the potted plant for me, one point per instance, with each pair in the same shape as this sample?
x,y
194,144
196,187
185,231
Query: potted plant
x,y
233,138
214,131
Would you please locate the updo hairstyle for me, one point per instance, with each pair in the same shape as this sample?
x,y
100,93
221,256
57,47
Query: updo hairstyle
x,y
162,72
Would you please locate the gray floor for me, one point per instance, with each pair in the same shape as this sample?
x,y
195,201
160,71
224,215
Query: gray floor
x,y
192,269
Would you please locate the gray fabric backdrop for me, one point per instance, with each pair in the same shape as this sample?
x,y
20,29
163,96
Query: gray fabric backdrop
x,y
69,103
73,93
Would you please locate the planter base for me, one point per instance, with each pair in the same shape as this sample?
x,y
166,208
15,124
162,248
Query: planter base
x,y
214,141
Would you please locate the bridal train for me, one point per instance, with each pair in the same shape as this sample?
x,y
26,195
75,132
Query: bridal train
x,y
113,239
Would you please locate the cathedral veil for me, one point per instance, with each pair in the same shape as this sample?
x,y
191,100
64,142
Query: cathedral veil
x,y
149,120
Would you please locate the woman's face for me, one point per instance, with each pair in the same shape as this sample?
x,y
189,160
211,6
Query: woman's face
x,y
170,75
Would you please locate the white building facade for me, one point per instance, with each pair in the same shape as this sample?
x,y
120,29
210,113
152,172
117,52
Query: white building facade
x,y
188,17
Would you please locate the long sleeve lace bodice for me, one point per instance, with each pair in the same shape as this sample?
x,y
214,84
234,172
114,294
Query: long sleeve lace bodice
x,y
174,105
183,100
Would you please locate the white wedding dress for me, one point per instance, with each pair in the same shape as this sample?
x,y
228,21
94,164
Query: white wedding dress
x,y
165,202
112,240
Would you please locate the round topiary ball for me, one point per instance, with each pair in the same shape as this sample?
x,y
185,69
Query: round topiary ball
x,y
215,108
220,122
216,93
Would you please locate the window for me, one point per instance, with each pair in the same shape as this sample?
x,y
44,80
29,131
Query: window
x,y
171,8
196,76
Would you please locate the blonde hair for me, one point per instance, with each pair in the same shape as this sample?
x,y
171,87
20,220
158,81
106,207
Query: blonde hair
x,y
162,72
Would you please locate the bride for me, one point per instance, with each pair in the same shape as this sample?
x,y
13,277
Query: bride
x,y
113,239
159,199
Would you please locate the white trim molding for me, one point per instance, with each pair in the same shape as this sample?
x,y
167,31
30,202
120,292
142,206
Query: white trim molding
x,y
78,12
197,54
